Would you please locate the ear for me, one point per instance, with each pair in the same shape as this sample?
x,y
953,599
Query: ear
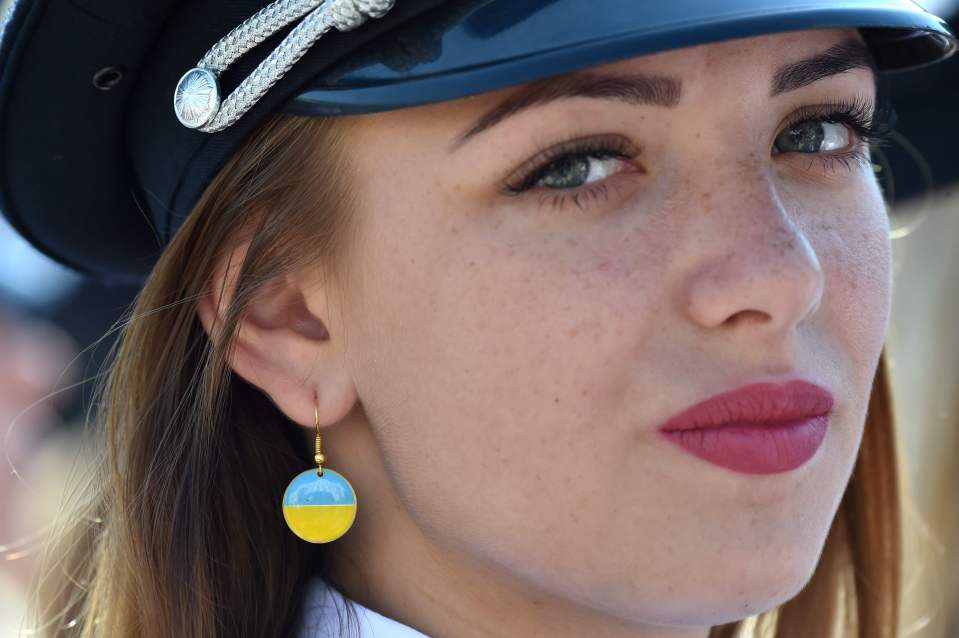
x,y
283,344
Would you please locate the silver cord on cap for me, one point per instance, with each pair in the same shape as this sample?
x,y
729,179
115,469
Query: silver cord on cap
x,y
196,100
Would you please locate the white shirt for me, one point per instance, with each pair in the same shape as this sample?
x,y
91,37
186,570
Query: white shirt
x,y
325,609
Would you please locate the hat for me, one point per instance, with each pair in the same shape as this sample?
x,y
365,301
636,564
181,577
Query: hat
x,y
103,103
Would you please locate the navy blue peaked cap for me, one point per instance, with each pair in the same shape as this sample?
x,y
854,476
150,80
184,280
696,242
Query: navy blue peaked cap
x,y
97,171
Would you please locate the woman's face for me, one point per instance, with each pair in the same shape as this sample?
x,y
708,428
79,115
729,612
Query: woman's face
x,y
531,302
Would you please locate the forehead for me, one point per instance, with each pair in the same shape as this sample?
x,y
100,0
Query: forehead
x,y
757,55
752,59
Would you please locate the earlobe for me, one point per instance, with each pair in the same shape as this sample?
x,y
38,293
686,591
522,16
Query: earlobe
x,y
281,345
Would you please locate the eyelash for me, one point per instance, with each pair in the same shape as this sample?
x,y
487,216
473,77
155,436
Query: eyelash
x,y
872,125
600,148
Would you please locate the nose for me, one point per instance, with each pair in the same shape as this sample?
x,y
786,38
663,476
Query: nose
x,y
755,266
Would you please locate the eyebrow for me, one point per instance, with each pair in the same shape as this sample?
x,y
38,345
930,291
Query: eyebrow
x,y
634,88
663,91
839,58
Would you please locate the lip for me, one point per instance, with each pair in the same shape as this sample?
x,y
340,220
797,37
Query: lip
x,y
761,428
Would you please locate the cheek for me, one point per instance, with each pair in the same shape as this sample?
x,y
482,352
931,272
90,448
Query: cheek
x,y
854,247
550,316
537,338
501,378
847,333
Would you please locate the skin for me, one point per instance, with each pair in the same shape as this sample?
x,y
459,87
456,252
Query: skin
x,y
491,378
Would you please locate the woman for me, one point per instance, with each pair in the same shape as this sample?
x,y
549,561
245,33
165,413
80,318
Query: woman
x,y
592,325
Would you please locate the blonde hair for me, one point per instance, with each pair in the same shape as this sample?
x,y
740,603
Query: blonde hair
x,y
176,536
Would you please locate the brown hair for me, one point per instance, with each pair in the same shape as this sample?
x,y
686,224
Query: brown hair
x,y
179,532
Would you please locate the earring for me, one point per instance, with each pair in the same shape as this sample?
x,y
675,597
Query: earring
x,y
319,505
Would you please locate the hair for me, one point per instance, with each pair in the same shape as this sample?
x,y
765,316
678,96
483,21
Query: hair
x,y
176,533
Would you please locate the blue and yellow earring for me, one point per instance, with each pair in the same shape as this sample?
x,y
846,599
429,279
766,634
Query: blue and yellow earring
x,y
319,505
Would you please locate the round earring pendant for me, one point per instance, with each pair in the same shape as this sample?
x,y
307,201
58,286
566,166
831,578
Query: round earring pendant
x,y
319,509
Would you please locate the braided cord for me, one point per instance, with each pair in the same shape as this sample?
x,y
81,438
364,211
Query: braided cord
x,y
253,31
197,98
270,70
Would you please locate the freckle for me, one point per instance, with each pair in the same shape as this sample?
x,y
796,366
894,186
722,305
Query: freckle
x,y
472,264
455,230
584,393
556,400
698,135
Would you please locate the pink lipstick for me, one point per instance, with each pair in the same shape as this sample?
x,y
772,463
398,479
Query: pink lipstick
x,y
762,428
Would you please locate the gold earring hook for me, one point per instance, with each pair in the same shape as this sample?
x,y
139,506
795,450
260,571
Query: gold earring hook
x,y
318,457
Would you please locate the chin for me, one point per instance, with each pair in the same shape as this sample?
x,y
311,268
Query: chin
x,y
723,592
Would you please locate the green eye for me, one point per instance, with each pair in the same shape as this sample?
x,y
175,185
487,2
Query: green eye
x,y
812,136
575,164
568,172
574,171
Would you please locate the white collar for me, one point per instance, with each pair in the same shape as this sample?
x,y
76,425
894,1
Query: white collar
x,y
325,609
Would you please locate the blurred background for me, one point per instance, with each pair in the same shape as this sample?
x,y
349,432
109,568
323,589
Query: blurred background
x,y
55,334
